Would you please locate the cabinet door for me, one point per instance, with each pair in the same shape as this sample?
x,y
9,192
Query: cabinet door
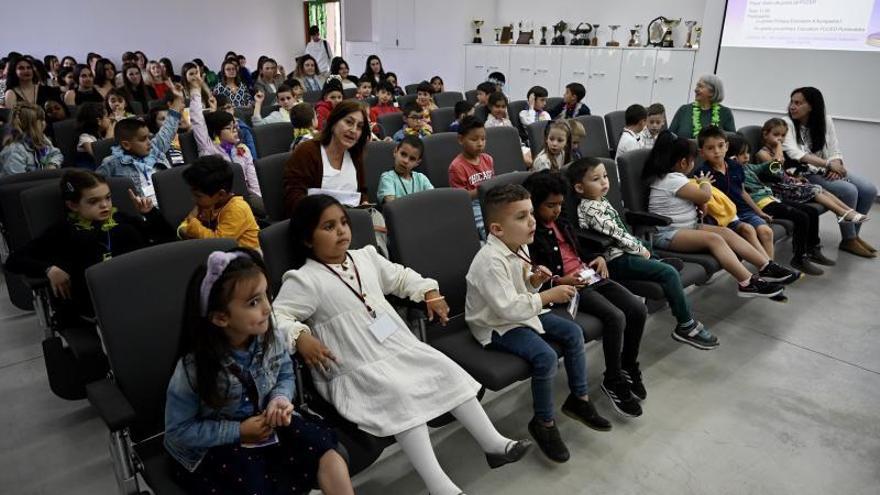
x,y
672,78
522,72
498,60
548,61
475,61
388,23
575,68
604,80
636,77
406,21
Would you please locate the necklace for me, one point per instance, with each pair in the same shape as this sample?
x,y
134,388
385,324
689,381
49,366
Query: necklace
x,y
697,122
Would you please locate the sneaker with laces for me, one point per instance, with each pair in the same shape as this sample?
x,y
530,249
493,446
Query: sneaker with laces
x,y
617,389
817,256
774,272
514,452
585,412
633,376
760,288
549,441
696,335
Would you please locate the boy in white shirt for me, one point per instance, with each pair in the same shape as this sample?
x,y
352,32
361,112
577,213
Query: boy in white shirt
x,y
505,312
633,137
656,123
537,97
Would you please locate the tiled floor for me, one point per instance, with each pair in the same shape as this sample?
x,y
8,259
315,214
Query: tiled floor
x,y
790,403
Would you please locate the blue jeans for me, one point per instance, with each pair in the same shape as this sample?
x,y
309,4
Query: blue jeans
x,y
531,346
856,191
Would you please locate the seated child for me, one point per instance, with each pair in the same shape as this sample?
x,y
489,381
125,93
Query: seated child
x,y
136,156
414,123
363,358
284,97
628,259
472,166
296,90
92,231
578,133
404,180
632,137
656,122
537,97
117,105
243,399
462,109
92,124
425,100
218,212
622,314
391,78
498,79
305,123
437,85
245,133
384,104
28,148
557,147
155,119
498,118
484,89
505,312
805,218
572,103
364,88
331,95
55,111
729,177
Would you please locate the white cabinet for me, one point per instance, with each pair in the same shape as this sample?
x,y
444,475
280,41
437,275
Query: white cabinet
x,y
672,78
397,21
481,60
498,60
575,68
522,71
547,64
604,80
636,78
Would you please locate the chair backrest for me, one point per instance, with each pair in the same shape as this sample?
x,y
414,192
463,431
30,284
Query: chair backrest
x,y
504,146
312,97
535,131
5,115
266,110
65,139
136,108
481,113
440,150
378,158
754,136
278,251
188,147
553,102
43,206
484,187
595,143
389,123
471,96
349,93
102,149
36,175
270,175
174,196
513,110
633,190
247,114
139,304
403,101
441,248
442,118
273,138
614,123
447,98
410,89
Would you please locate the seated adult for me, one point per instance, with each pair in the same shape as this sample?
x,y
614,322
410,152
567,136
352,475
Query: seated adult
x,y
85,90
23,85
333,162
306,73
339,67
812,140
706,110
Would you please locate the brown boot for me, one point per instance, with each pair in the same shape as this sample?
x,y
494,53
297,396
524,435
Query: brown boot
x,y
866,245
853,246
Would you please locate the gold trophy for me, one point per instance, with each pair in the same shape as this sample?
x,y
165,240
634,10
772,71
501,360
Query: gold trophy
x,y
634,36
497,36
595,40
690,39
613,28
477,23
698,33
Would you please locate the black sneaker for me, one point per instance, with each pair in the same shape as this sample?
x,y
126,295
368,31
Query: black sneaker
x,y
515,451
549,441
804,265
633,376
617,389
696,335
775,272
759,288
817,256
584,412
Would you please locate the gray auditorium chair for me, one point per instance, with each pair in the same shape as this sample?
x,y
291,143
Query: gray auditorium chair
x,y
595,143
246,114
535,132
410,89
442,118
471,96
753,135
102,149
174,196
440,149
447,98
378,158
614,123
349,93
390,123
312,96
270,174
65,139
484,187
403,101
273,138
503,144
513,110
188,146
552,102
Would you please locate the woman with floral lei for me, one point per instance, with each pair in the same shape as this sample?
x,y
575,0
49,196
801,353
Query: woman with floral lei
x,y
92,231
706,110
216,133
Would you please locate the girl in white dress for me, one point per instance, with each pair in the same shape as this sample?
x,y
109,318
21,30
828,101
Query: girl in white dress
x,y
364,359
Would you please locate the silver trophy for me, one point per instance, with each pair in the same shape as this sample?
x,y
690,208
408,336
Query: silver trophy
x,y
690,38
595,40
613,28
635,36
477,23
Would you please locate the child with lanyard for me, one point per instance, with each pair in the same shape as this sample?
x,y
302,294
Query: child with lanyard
x,y
404,180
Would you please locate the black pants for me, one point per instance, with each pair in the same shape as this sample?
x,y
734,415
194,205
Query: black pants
x,y
623,321
806,224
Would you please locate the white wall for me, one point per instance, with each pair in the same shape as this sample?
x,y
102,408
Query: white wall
x,y
180,30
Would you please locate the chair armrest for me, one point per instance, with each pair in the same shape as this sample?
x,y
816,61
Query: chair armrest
x,y
593,241
36,283
111,405
645,219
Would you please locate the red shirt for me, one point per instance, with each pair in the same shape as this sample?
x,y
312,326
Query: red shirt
x,y
465,175
378,110
571,262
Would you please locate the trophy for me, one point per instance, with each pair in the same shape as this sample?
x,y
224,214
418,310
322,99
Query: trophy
x,y
497,35
698,33
559,33
543,35
507,34
690,25
613,27
575,39
525,37
595,40
634,36
477,24
660,31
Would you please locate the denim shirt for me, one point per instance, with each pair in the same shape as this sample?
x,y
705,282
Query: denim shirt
x,y
192,427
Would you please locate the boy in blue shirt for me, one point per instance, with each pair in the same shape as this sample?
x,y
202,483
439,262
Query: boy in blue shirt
x,y
403,180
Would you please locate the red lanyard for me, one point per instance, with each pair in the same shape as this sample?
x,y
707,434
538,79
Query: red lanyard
x,y
359,293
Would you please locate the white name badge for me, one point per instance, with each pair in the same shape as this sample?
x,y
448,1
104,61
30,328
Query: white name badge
x,y
383,326
573,305
148,191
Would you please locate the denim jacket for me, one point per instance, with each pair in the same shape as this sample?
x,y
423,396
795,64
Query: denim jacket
x,y
192,427
140,168
20,156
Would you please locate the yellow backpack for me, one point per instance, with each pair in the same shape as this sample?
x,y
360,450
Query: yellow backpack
x,y
720,207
